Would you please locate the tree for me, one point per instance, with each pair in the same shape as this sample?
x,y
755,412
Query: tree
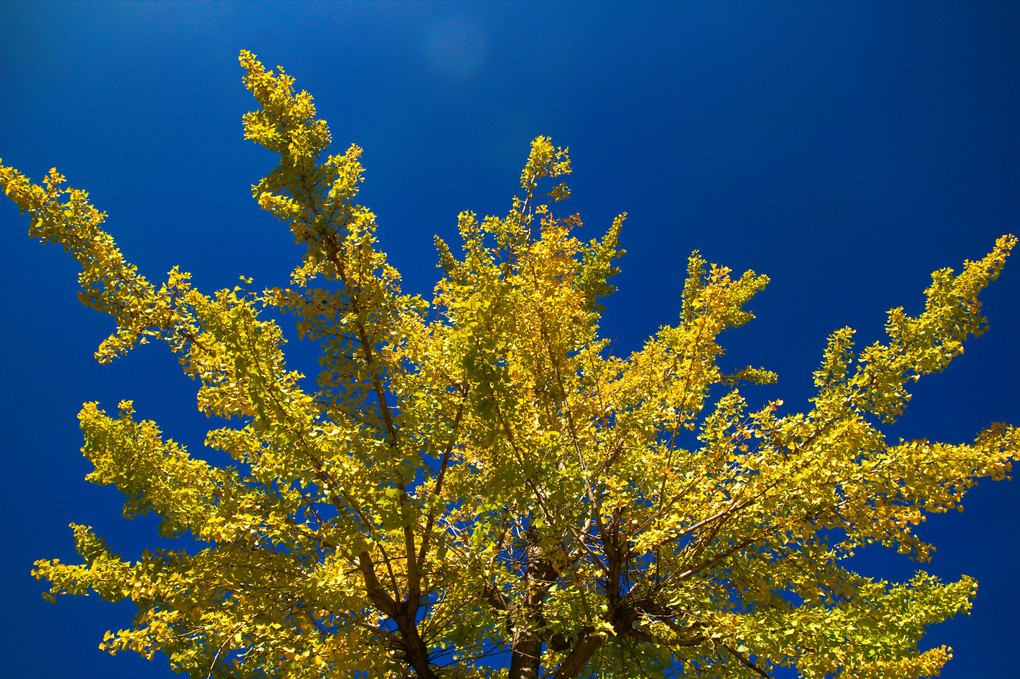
x,y
474,486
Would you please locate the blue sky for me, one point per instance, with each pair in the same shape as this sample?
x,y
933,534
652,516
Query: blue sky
x,y
844,149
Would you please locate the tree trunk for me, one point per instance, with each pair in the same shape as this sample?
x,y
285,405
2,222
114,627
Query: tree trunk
x,y
526,649
526,653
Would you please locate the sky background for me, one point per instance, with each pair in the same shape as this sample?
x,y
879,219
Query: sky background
x,y
847,150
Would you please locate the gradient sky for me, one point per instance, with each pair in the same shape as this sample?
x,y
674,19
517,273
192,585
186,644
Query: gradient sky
x,y
844,149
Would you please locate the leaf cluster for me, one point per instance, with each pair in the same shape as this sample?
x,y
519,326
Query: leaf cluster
x,y
474,485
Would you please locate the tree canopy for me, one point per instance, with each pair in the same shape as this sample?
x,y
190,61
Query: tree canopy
x,y
474,485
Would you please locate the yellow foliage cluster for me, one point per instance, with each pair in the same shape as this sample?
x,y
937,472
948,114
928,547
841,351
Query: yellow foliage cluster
x,y
473,486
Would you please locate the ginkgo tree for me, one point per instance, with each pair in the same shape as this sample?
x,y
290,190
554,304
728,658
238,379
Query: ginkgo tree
x,y
473,485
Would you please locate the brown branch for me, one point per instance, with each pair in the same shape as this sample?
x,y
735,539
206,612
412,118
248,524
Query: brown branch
x,y
437,491
578,656
716,559
746,662
373,588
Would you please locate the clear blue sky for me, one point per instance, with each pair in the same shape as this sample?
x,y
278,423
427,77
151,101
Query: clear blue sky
x,y
844,149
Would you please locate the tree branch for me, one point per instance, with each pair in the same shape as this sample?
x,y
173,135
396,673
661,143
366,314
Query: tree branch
x,y
745,661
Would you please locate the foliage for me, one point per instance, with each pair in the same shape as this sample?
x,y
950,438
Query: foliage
x,y
474,486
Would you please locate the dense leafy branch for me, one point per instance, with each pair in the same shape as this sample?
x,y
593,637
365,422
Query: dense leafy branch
x,y
474,485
